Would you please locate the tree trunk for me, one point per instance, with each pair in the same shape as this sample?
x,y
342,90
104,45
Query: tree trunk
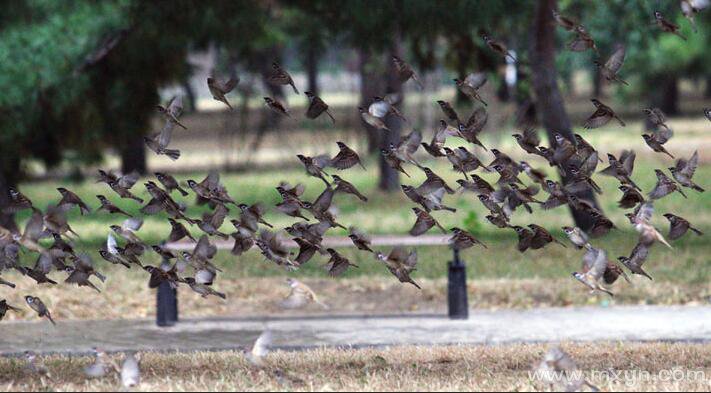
x,y
9,176
597,83
371,85
190,95
669,100
133,155
707,91
549,102
311,65
390,178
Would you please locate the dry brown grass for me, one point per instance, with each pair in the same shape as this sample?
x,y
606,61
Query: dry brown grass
x,y
128,297
474,368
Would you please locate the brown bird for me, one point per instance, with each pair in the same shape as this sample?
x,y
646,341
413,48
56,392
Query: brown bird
x,y
159,142
4,308
128,228
34,229
251,216
664,186
173,110
400,263
39,307
405,72
594,266
307,250
529,140
612,66
122,185
299,296
276,106
636,259
471,84
462,240
525,236
564,21
643,225
534,174
432,183
655,144
371,120
244,240
541,237
497,46
315,166
439,138
630,198
109,206
280,77
347,188
393,161
656,117
170,183
346,158
582,41
383,106
159,275
602,115
18,201
219,90
477,185
424,222
360,239
202,289
679,227
337,264
70,199
577,236
622,169
448,111
317,107
667,26
684,170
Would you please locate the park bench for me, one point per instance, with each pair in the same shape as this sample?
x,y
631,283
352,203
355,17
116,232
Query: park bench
x,y
457,301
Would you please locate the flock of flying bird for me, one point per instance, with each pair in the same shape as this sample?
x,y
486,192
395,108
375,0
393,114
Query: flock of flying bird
x,y
575,159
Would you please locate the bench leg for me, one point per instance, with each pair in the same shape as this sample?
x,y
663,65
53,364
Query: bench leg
x,y
457,289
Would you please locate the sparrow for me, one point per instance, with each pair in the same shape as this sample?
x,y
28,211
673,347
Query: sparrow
x,y
317,107
602,115
679,227
38,306
280,76
559,371
641,220
211,222
498,220
346,158
4,308
577,236
170,183
111,253
70,199
202,289
337,264
276,106
290,205
564,21
383,106
433,201
107,205
497,47
34,229
683,172
36,366
347,188
656,117
130,370
477,185
18,201
405,72
667,26
689,8
612,66
471,84
474,125
360,239
178,231
462,240
534,174
564,149
448,111
424,222
173,110
299,296
636,259
541,237
260,349
272,248
630,198
622,169
102,365
594,266
655,144
307,250
128,228
432,183
525,236
601,225
439,138
371,120
219,90
400,263
664,186
582,41
85,265
529,140
55,220
159,275
159,142
315,165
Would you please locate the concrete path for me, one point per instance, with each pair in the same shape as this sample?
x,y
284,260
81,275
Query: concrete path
x,y
483,327
339,241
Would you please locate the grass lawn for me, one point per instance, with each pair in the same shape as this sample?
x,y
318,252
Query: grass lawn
x,y
476,368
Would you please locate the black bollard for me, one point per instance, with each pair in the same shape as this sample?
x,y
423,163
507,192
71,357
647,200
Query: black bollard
x,y
457,289
167,308
167,302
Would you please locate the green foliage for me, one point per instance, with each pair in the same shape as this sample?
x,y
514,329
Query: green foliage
x,y
472,223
